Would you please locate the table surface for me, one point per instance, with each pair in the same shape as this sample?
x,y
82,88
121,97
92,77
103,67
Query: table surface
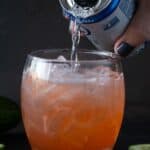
x,y
135,130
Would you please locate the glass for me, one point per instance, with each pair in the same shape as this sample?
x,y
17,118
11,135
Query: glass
x,y
72,109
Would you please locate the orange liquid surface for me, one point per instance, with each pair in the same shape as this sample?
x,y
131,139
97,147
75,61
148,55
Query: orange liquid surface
x,y
72,116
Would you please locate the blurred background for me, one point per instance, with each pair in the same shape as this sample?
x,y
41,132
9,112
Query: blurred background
x,y
26,25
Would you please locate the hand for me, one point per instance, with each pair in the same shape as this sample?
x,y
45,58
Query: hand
x,y
138,30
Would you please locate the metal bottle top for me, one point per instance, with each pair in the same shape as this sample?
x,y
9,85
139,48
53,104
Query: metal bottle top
x,y
86,3
101,9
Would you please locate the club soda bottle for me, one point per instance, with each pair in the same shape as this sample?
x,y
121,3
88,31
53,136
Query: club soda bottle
x,y
102,21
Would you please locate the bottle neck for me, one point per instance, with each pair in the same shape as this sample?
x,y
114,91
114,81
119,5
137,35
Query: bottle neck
x,y
86,3
95,17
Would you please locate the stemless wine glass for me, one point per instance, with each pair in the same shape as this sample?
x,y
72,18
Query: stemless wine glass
x,y
72,107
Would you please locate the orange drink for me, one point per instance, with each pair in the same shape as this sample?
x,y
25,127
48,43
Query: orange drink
x,y
76,110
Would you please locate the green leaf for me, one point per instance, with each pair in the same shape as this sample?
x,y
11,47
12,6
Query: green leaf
x,y
2,146
140,147
10,114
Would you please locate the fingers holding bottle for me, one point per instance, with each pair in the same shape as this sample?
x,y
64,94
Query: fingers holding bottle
x,y
137,32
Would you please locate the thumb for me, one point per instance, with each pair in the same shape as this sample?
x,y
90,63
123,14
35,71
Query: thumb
x,y
132,37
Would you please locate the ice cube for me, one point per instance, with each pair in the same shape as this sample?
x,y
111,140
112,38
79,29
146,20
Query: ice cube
x,y
60,69
63,66
61,58
40,69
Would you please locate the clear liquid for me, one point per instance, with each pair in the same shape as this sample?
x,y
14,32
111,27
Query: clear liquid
x,y
75,42
77,12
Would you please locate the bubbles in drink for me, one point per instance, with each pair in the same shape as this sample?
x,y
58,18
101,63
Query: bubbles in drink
x,y
63,111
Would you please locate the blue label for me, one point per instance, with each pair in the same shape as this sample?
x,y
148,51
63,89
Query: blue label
x,y
98,17
112,23
127,7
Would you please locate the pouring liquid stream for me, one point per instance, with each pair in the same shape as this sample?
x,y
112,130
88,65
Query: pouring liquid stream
x,y
75,44
75,41
76,34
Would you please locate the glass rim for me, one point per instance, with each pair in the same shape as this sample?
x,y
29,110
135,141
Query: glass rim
x,y
107,54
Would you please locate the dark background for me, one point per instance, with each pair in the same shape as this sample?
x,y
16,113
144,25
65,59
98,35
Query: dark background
x,y
38,24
